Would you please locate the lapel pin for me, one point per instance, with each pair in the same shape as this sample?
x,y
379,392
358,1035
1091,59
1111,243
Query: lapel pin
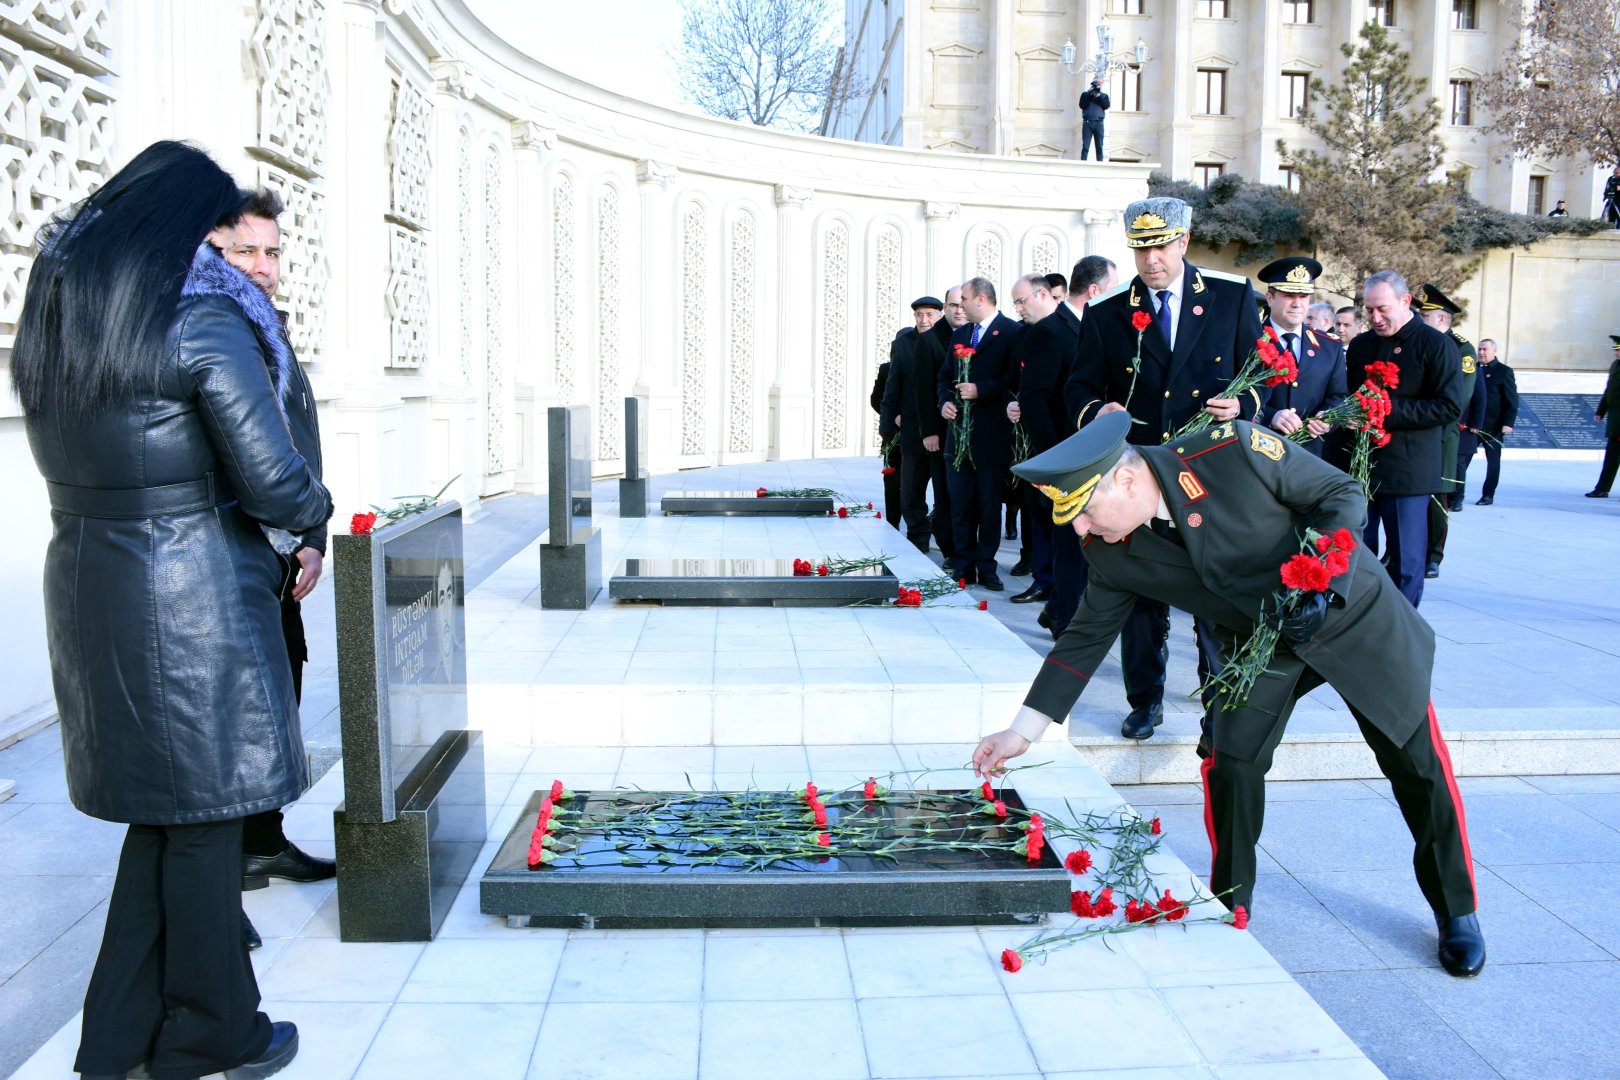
x,y
1310,352
1397,350
1198,309
1194,520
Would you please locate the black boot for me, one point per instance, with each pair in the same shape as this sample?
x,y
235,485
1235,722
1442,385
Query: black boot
x,y
1141,722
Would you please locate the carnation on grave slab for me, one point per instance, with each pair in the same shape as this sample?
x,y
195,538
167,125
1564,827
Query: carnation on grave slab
x,y
1010,960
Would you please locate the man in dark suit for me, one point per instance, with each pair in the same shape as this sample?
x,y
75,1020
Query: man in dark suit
x,y
1406,473
1046,350
1501,410
1440,311
910,397
1205,523
975,471
896,399
1290,283
1608,410
1162,347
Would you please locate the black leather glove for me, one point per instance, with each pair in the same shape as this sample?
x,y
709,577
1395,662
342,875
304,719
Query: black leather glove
x,y
1301,624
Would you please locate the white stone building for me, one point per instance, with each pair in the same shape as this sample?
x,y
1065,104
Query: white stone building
x,y
1225,79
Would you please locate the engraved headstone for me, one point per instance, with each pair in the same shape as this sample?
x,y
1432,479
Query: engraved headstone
x,y
633,487
1557,422
745,504
745,583
571,549
412,819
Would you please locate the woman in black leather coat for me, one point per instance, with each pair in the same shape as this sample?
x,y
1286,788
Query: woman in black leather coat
x,y
147,368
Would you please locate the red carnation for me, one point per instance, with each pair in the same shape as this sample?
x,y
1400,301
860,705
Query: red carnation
x,y
961,583
987,792
962,352
1078,862
1384,373
809,793
1011,960
1173,909
889,470
869,506
822,570
823,840
818,810
1240,917
760,494
843,511
1140,321
999,807
1305,573
557,790
1337,562
1344,540
1155,828
1134,912
870,790
1080,904
1102,905
880,515
360,524
984,605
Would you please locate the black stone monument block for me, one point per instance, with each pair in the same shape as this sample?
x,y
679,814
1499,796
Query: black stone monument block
x,y
570,550
744,504
679,874
412,818
745,583
633,487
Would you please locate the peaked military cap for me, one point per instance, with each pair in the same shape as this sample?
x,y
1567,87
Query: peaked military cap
x,y
1429,298
1294,274
1069,473
928,301
1616,339
1151,222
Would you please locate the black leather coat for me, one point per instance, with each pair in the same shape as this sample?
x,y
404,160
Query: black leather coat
x,y
164,629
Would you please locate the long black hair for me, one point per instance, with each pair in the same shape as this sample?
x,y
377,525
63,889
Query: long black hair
x,y
106,281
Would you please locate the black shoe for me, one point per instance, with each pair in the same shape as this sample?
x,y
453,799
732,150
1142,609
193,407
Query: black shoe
x,y
250,935
277,1056
1462,945
1044,619
991,582
1031,595
1454,505
1484,500
1020,569
1011,532
292,864
1595,494
1432,570
1141,722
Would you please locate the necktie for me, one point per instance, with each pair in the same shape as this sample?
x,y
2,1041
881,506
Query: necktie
x,y
1288,340
1164,317
978,328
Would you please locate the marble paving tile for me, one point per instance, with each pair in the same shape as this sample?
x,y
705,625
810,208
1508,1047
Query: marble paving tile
x,y
1257,1022
630,966
282,909
334,1037
783,1040
1343,1069
618,1041
1198,953
39,910
324,969
926,1037
508,970
1123,1029
805,966
906,965
1089,965
429,1041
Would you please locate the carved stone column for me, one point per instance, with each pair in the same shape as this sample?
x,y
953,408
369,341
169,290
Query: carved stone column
x,y
534,388
792,404
936,216
658,312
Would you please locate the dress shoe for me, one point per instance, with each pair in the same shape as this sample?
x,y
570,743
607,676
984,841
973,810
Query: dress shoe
x,y
991,582
1141,722
1454,505
1011,532
1462,945
1595,494
1432,570
1031,595
293,864
1484,500
1020,569
1044,619
277,1056
249,934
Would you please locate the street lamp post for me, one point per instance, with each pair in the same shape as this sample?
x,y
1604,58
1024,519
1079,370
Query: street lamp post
x,y
1106,61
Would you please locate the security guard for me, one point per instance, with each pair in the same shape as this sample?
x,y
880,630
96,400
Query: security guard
x,y
1205,523
1440,312
1290,283
1163,347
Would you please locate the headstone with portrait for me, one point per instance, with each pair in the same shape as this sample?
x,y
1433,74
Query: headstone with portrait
x,y
411,822
571,549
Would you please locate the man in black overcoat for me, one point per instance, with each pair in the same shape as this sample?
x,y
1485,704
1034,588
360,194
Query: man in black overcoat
x,y
1205,523
1046,351
896,399
1197,328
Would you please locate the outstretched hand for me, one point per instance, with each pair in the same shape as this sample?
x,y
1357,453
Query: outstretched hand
x,y
994,751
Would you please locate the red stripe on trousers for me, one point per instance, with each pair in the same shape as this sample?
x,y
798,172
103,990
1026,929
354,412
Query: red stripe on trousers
x,y
1209,812
1444,755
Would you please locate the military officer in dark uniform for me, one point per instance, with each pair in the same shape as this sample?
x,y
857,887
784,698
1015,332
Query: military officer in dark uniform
x,y
1290,283
1440,312
1468,432
1199,327
1205,523
1406,473
1608,410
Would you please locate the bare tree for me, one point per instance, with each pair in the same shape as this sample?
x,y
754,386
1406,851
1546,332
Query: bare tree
x,y
1558,89
770,62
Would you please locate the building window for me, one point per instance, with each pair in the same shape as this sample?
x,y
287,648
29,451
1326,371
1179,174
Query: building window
x,y
1381,12
1289,177
1211,92
1205,172
1125,7
1538,196
1213,9
1378,101
1296,86
1125,91
1462,15
1297,11
1462,103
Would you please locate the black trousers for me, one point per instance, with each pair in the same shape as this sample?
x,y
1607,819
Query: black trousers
x,y
173,982
891,497
1467,447
976,515
917,472
1611,465
1144,651
1038,534
1420,777
262,832
1091,132
1493,464
1439,528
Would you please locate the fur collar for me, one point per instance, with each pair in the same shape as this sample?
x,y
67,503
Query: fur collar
x,y
211,275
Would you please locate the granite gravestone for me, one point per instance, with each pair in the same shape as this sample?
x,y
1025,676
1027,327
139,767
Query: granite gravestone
x,y
1557,422
745,504
633,487
412,819
570,550
745,583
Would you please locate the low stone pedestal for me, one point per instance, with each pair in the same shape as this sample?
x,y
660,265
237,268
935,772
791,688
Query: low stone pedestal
x,y
571,573
745,582
743,504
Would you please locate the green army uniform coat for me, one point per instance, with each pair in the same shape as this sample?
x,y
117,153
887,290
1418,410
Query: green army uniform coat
x,y
1449,433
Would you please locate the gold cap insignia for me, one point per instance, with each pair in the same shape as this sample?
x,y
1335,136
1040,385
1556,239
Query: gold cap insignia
x,y
1067,505
1298,275
1144,222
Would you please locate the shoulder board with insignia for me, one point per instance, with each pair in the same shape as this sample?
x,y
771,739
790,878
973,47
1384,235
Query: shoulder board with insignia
x,y
1111,293
1310,336
1459,339
1266,444
1221,275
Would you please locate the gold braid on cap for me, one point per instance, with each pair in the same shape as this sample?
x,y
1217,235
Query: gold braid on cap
x,y
1066,505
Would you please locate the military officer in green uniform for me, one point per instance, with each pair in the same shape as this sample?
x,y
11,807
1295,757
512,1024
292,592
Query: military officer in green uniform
x,y
1440,312
1204,523
1608,410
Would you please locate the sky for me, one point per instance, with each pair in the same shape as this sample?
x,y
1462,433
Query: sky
x,y
621,45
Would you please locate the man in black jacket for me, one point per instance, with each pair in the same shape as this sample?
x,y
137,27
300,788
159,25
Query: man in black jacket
x,y
1406,473
1046,350
256,251
976,468
1093,109
1501,410
909,400
898,409
1205,523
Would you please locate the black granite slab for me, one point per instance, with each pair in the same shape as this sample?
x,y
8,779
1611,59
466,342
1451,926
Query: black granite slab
x,y
604,875
744,582
1557,422
568,472
742,504
633,487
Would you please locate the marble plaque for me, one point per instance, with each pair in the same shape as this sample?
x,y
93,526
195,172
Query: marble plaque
x,y
743,504
744,582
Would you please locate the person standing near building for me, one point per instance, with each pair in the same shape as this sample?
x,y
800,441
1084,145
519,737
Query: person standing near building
x,y
1290,283
1501,410
1440,312
1094,105
1611,198
1608,410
